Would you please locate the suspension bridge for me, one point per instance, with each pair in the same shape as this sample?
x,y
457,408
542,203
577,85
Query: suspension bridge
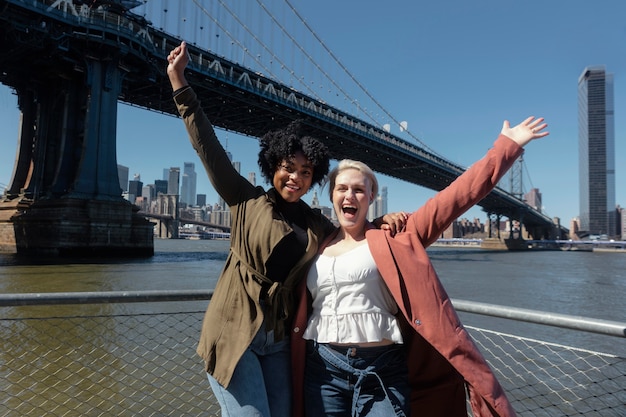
x,y
70,62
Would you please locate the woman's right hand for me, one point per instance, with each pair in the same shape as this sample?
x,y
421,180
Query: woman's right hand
x,y
177,61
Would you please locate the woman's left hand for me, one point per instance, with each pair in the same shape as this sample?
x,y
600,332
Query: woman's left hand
x,y
394,222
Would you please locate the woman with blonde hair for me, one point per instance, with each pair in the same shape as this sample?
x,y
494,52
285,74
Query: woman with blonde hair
x,y
380,334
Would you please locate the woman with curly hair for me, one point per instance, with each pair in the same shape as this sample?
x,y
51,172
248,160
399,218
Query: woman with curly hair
x,y
274,237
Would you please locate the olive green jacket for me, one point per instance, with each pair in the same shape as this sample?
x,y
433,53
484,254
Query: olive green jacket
x,y
234,314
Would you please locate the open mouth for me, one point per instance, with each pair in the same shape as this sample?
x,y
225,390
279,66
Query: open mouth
x,y
350,210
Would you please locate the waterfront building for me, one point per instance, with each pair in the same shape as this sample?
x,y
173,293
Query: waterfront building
x,y
574,233
188,188
192,213
462,227
623,223
533,199
220,217
596,151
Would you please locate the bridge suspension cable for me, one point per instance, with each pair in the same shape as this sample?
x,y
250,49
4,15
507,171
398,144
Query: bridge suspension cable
x,y
254,34
354,79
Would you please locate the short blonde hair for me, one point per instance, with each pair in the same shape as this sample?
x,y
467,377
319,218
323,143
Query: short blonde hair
x,y
351,164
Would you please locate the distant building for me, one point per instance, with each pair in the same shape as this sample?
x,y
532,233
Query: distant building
x,y
173,181
379,205
201,200
198,213
147,192
326,211
122,174
220,217
574,229
160,186
252,178
188,188
383,197
463,228
596,141
134,188
533,199
623,221
237,166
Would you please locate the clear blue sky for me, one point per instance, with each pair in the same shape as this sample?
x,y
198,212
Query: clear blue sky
x,y
453,70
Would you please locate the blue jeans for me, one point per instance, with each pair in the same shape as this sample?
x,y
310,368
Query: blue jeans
x,y
261,383
349,382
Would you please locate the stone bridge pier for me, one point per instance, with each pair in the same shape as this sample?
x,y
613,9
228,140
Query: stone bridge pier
x,y
64,196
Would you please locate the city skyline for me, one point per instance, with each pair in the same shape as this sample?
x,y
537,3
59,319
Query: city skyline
x,y
454,71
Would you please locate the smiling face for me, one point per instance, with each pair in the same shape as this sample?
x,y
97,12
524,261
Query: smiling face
x,y
351,196
293,177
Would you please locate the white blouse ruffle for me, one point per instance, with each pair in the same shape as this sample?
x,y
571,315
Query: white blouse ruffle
x,y
351,303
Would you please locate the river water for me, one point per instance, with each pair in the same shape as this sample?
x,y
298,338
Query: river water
x,y
588,284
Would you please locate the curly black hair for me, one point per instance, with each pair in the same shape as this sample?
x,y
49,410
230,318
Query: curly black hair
x,y
282,144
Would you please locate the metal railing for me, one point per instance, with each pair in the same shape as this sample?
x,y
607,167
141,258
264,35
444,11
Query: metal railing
x,y
133,353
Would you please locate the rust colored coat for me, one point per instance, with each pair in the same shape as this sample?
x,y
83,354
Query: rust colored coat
x,y
443,360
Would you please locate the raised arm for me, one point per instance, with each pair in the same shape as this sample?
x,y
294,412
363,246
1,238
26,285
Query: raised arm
x,y
228,183
430,220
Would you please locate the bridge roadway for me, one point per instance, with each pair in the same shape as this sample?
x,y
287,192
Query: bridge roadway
x,y
234,97
169,217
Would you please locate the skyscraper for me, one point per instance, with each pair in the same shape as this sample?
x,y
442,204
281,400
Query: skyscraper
x,y
596,152
379,205
188,188
122,174
237,166
160,186
173,181
134,188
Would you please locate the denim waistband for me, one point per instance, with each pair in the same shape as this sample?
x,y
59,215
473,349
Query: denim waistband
x,y
365,352
338,356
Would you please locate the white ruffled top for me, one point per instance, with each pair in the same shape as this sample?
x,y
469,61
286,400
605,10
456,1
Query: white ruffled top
x,y
351,303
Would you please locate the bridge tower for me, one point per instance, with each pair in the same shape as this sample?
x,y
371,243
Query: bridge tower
x,y
64,196
516,181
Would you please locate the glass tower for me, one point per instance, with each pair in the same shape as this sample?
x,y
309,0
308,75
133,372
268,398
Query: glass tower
x,y
596,152
188,188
